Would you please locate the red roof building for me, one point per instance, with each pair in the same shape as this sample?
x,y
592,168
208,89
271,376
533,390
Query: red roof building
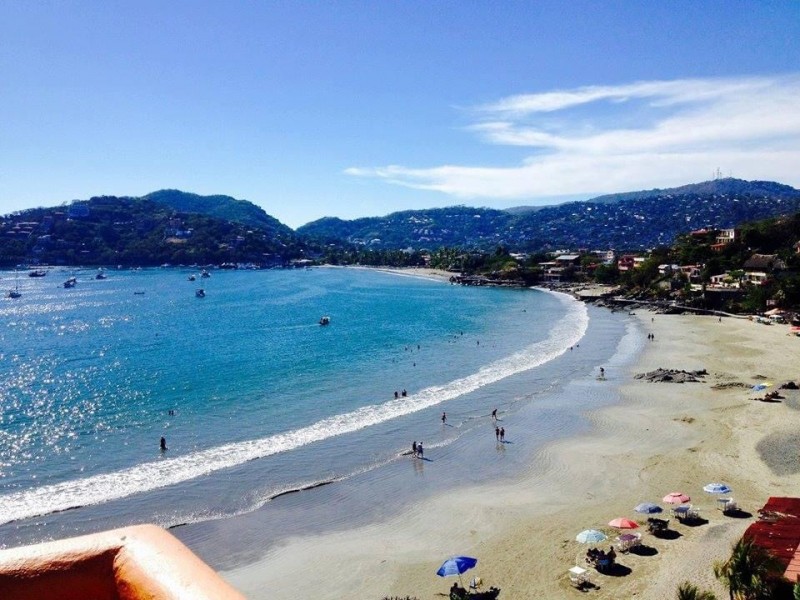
x,y
778,531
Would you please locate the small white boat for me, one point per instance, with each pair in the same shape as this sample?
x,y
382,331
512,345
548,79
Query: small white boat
x,y
70,283
192,278
325,321
200,293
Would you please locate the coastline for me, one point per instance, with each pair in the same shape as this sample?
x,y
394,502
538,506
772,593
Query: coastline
x,y
660,437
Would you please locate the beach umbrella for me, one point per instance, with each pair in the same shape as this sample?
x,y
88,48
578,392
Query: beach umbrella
x,y
717,488
623,523
456,566
648,508
591,536
676,498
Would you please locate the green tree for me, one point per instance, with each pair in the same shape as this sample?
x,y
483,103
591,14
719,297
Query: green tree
x,y
688,591
751,572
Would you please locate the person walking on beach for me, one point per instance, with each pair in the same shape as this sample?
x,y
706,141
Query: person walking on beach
x,y
420,451
497,433
494,415
502,434
414,448
444,418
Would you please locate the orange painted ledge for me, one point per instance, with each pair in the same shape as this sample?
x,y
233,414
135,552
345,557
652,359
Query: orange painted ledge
x,y
142,562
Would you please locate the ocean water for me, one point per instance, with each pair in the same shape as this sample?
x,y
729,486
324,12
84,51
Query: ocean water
x,y
268,416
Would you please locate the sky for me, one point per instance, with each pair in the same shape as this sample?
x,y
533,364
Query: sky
x,y
354,109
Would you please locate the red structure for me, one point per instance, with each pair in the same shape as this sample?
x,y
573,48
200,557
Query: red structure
x,y
778,531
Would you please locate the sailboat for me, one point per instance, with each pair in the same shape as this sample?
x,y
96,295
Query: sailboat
x,y
15,293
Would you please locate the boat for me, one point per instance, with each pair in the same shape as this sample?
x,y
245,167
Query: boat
x,y
15,293
205,273
70,283
201,293
192,277
100,275
37,273
325,321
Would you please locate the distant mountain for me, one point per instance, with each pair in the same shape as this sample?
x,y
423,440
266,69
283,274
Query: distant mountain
x,y
726,186
632,221
460,226
165,227
219,207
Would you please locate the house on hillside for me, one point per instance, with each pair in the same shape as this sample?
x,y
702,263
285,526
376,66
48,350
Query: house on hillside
x,y
568,260
764,262
724,237
625,262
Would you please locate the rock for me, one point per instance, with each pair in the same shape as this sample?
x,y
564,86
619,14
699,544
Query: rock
x,y
676,376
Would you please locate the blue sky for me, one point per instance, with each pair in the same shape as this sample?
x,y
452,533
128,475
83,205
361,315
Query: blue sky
x,y
353,109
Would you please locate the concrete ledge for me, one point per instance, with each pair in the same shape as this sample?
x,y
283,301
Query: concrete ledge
x,y
142,562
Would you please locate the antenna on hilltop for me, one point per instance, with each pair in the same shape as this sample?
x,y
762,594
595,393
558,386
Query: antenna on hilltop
x,y
717,174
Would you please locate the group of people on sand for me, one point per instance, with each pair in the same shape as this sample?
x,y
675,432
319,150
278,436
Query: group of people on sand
x,y
599,559
417,451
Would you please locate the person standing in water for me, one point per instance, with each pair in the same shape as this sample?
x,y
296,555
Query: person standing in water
x,y
163,444
444,418
420,451
414,448
494,414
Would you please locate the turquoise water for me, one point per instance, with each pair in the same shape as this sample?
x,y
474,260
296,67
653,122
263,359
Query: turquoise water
x,y
253,396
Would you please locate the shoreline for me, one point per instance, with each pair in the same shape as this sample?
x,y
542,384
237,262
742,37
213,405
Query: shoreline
x,y
660,437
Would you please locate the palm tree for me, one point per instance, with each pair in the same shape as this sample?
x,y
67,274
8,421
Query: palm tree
x,y
750,573
688,591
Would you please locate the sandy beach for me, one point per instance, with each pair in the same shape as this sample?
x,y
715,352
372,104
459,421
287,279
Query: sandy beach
x,y
661,437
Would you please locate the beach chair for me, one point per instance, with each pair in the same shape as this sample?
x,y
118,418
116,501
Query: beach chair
x,y
578,577
475,584
730,507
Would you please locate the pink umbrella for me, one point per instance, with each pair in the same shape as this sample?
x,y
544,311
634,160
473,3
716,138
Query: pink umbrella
x,y
623,523
676,498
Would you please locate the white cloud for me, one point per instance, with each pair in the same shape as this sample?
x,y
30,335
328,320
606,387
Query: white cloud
x,y
674,132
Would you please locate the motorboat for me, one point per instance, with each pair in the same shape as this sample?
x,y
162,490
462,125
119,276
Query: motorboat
x,y
37,273
325,321
70,283
205,274
192,278
200,293
100,275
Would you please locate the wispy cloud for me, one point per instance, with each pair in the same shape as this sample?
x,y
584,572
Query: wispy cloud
x,y
618,138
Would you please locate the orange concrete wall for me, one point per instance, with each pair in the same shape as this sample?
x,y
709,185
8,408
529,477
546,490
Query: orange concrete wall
x,y
134,563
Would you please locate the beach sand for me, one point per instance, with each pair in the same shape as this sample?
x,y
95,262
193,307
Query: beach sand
x,y
661,437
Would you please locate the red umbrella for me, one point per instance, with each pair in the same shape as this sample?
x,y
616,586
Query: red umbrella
x,y
623,523
676,498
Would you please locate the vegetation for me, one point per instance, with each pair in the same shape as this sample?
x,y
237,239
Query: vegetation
x,y
688,591
751,572
108,230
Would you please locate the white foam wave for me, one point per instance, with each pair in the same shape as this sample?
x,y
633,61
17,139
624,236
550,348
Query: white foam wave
x,y
153,475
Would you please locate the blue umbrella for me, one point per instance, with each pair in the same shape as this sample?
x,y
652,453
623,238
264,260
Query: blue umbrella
x,y
648,508
591,536
717,488
456,566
